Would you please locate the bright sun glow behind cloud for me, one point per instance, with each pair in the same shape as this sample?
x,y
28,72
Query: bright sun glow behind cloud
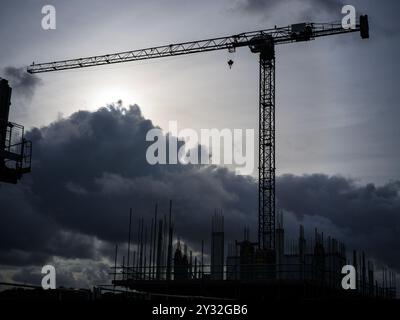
x,y
110,94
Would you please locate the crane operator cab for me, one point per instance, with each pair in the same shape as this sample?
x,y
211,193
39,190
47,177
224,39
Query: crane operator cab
x,y
15,150
264,45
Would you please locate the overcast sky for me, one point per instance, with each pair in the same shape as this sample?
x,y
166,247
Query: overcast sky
x,y
337,103
337,114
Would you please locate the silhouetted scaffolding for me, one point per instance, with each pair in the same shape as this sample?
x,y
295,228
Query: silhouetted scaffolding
x,y
15,150
314,264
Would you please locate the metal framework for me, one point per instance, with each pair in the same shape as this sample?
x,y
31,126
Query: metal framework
x,y
262,42
15,150
266,172
280,35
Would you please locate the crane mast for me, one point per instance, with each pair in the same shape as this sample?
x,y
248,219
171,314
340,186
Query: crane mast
x,y
263,43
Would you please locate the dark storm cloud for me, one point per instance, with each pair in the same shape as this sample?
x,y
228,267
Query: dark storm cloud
x,y
305,8
90,168
256,5
94,165
23,83
369,215
27,236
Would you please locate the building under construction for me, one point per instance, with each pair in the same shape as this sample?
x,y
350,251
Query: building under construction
x,y
305,268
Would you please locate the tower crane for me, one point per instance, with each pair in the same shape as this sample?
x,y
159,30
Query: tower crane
x,y
261,42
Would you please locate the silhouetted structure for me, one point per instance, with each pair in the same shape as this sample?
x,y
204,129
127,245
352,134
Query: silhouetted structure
x,y
300,269
181,264
217,247
15,150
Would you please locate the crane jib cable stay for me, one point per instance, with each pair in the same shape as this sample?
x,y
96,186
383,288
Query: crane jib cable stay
x,y
263,43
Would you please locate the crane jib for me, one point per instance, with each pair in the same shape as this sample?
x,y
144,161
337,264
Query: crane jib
x,y
293,33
